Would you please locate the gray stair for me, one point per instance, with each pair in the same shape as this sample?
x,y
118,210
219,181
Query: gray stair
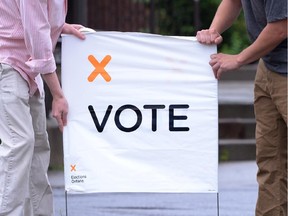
x,y
237,136
237,128
236,149
236,115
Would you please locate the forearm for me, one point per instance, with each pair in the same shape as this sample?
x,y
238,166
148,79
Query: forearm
x,y
53,84
59,104
226,14
271,36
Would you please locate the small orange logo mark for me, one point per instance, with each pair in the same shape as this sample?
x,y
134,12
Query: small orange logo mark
x,y
99,68
73,168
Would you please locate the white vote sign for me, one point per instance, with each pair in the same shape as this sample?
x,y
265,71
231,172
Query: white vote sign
x,y
143,114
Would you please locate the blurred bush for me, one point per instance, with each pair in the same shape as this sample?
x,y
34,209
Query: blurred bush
x,y
178,18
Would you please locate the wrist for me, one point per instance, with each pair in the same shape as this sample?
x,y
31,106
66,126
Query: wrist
x,y
53,84
241,59
58,95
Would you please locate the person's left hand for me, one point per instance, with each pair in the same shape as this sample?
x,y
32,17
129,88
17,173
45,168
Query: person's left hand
x,y
73,29
222,63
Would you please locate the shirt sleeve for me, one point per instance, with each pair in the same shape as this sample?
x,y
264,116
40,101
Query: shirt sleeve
x,y
275,10
37,31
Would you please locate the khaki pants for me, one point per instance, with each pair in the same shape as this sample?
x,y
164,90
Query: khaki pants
x,y
271,141
24,149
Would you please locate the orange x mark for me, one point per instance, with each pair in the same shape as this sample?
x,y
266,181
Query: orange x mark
x,y
99,68
73,168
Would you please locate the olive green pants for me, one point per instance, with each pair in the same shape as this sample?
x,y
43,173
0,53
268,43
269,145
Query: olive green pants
x,y
271,141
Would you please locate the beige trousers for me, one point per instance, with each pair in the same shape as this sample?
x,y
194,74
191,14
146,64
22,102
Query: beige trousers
x,y
271,141
24,149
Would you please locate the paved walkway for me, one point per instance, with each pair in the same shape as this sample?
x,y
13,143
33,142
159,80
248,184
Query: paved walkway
x,y
237,197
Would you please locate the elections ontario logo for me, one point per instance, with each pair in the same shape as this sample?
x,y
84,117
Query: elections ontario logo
x,y
76,178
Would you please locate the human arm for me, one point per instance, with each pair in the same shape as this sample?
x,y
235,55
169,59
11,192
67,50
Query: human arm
x,y
59,103
39,44
226,14
37,35
270,37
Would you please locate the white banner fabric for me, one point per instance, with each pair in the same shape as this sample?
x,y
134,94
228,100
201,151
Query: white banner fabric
x,y
143,114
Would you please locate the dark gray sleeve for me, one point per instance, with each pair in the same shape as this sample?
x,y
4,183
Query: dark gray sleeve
x,y
275,10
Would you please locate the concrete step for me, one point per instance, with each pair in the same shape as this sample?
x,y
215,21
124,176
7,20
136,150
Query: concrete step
x,y
236,111
236,132
236,115
236,102
237,128
237,149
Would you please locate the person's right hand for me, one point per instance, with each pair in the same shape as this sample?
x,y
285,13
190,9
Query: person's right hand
x,y
209,36
60,111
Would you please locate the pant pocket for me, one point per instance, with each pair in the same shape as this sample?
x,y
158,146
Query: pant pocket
x,y
12,83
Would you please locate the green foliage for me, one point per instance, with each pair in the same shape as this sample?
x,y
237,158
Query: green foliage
x,y
208,10
177,18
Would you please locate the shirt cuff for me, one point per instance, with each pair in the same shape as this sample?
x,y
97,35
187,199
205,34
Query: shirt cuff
x,y
42,66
